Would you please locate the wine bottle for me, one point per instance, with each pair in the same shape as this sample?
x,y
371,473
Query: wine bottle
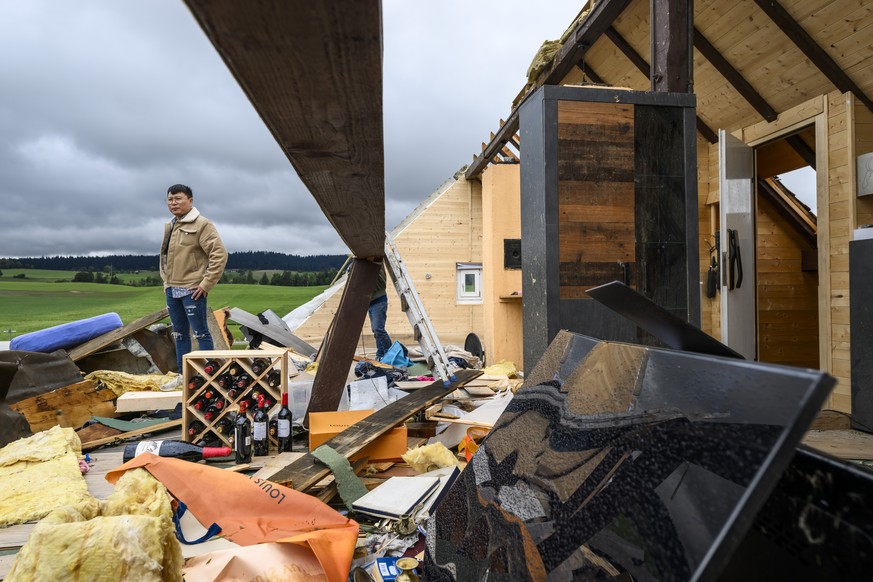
x,y
175,449
274,379
243,381
201,403
259,365
234,369
225,381
283,426
223,426
211,367
212,411
196,383
260,442
242,436
233,392
195,428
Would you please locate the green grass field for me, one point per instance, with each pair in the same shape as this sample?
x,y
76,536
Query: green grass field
x,y
38,302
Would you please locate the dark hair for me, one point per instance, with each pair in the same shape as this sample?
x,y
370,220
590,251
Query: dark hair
x,y
176,188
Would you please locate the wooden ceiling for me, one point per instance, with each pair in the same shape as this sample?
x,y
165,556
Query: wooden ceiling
x,y
313,71
753,59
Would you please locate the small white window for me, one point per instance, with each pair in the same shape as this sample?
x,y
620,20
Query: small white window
x,y
469,282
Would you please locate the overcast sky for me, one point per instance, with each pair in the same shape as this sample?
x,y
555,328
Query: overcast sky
x,y
105,103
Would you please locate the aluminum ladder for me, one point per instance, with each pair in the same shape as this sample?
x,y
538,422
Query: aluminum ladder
x,y
410,304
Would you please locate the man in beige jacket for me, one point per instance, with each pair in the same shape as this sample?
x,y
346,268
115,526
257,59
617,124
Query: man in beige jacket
x,y
192,261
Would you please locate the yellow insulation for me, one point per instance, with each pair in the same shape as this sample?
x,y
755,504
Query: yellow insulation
x,y
127,537
39,474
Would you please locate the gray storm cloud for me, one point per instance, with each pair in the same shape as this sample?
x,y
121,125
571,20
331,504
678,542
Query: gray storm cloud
x,y
104,104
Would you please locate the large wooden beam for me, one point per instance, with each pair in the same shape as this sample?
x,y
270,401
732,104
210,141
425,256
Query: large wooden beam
x,y
342,338
115,336
313,72
307,471
572,52
809,47
644,68
671,34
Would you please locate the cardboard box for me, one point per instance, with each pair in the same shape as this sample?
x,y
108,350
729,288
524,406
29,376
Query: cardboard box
x,y
326,425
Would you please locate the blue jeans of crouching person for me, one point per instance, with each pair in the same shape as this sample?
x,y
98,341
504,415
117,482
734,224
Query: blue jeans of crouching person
x,y
188,317
378,312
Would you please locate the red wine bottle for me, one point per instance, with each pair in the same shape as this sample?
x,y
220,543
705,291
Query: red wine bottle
x,y
242,436
196,383
175,449
211,367
283,426
260,442
242,381
195,428
274,379
225,381
201,403
259,365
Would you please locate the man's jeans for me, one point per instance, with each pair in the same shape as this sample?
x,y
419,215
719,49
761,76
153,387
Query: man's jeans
x,y
378,312
188,315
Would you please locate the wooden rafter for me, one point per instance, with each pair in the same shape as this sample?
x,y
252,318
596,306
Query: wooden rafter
x,y
313,72
572,52
809,47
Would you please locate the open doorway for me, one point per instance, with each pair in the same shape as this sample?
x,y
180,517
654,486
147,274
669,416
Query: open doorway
x,y
769,306
787,251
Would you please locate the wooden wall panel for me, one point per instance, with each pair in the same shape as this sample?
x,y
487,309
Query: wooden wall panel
x,y
787,296
433,243
595,194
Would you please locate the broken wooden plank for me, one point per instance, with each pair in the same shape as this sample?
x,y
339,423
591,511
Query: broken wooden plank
x,y
116,335
850,445
70,406
339,346
305,472
138,401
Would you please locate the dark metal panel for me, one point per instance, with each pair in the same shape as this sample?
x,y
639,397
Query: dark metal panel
x,y
861,348
534,228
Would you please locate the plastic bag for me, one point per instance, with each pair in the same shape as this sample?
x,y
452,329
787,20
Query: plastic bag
x,y
251,511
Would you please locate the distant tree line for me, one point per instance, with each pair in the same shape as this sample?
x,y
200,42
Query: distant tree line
x,y
237,261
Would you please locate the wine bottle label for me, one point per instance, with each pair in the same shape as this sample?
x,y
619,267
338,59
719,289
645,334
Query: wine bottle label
x,y
148,447
284,428
260,431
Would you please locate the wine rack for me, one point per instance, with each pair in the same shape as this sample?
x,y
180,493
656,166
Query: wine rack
x,y
203,387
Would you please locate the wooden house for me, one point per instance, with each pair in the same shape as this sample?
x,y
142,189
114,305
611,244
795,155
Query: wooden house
x,y
790,87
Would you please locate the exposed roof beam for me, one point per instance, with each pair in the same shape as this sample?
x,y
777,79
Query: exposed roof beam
x,y
641,64
802,149
572,52
587,70
788,207
809,47
727,70
313,72
602,15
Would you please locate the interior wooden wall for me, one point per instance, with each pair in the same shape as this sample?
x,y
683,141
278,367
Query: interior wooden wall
x,y
787,296
501,203
447,231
